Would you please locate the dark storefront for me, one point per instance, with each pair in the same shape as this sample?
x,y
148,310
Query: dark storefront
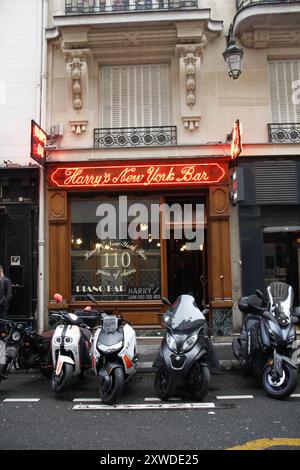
x,y
18,236
270,223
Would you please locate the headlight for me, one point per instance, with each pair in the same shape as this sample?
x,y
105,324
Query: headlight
x,y
68,340
110,349
57,340
171,343
189,342
16,336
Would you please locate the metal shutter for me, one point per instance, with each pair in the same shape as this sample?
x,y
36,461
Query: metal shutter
x,y
135,96
282,75
276,182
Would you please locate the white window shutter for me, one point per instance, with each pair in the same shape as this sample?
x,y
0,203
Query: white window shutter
x,y
135,96
282,75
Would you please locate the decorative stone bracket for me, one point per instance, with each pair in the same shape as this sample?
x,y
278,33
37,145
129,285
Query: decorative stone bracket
x,y
78,127
190,53
191,122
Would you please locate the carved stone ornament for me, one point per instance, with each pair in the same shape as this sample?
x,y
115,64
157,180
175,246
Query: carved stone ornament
x,y
191,122
75,62
190,54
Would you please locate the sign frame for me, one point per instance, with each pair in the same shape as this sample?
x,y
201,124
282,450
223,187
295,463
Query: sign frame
x,y
38,138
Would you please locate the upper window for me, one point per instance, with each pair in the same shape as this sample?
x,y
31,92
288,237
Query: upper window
x,y
283,74
135,96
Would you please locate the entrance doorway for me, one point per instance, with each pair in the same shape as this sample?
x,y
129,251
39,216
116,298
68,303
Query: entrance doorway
x,y
186,266
282,259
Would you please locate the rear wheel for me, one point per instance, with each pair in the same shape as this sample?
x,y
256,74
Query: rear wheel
x,y
163,383
280,387
199,381
61,383
116,387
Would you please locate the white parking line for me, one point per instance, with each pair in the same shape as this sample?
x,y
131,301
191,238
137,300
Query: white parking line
x,y
149,406
234,397
87,400
158,399
295,395
21,400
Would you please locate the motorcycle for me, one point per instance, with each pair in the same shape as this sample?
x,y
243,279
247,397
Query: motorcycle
x,y
185,352
24,349
71,345
114,355
265,344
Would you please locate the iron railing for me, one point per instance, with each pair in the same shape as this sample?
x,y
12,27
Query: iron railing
x,y
94,7
284,133
240,4
158,136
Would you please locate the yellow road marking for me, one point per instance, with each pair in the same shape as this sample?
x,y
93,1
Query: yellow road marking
x,y
261,444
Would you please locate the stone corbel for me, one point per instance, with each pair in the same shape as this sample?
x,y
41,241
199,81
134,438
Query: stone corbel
x,y
190,53
191,122
78,127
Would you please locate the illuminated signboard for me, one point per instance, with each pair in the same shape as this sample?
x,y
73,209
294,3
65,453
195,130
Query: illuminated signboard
x,y
137,175
38,142
236,142
237,186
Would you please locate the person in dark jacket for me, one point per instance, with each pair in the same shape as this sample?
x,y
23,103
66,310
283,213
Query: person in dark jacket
x,y
5,293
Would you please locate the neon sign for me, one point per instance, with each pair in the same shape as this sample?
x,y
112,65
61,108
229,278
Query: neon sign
x,y
236,142
137,175
38,142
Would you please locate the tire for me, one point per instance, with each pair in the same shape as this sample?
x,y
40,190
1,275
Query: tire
x,y
284,389
163,383
62,382
199,381
116,388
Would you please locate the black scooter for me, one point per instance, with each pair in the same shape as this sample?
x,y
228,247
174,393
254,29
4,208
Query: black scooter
x,y
265,345
24,349
185,350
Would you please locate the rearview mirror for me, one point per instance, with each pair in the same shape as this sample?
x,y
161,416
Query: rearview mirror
x,y
166,301
259,294
91,298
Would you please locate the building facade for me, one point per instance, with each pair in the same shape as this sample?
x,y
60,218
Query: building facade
x,y
20,101
139,104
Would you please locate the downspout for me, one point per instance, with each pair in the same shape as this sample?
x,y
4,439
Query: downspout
x,y
42,203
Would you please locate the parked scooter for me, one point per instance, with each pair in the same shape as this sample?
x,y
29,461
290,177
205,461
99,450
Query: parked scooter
x,y
24,349
114,355
265,344
184,352
71,345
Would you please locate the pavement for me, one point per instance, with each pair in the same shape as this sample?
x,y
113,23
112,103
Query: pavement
x,y
236,414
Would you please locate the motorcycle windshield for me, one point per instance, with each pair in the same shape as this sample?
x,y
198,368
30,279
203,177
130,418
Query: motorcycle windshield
x,y
184,315
281,298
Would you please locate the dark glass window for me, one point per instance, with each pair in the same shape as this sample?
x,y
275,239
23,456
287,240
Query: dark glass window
x,y
112,269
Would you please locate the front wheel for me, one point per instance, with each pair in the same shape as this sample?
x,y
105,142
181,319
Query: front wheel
x,y
280,387
60,383
117,380
199,381
163,383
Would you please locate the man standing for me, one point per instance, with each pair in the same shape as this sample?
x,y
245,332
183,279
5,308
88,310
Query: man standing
x,y
5,293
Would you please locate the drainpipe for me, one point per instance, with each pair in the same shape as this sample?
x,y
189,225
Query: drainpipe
x,y
42,120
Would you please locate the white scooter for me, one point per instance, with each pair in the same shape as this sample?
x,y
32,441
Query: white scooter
x,y
114,355
71,345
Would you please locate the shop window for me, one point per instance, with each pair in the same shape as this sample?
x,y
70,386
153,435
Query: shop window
x,y
113,269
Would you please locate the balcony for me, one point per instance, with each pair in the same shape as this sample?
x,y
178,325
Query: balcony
x,y
267,23
284,133
95,7
163,136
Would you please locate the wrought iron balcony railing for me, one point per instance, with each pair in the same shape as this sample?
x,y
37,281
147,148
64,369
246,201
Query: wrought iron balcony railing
x,y
244,3
94,7
285,133
135,137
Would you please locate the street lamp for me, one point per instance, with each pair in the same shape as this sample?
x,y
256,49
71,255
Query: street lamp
x,y
233,57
